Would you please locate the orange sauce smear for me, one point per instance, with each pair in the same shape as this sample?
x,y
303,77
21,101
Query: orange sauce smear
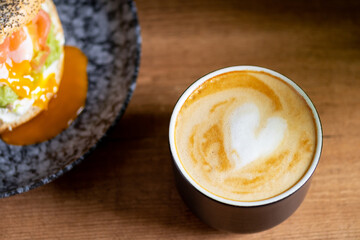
x,y
62,109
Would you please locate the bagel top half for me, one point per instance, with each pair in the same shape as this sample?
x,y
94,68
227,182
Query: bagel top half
x,y
31,59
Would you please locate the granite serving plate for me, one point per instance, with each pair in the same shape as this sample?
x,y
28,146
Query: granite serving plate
x,y
107,31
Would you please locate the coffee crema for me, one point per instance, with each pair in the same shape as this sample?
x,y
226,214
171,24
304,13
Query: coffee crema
x,y
245,136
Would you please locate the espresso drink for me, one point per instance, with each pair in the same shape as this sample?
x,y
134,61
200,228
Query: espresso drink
x,y
245,136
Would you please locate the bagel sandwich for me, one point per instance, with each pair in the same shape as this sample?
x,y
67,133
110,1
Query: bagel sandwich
x,y
31,59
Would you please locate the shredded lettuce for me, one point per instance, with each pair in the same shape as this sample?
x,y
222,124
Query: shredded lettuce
x,y
54,46
7,96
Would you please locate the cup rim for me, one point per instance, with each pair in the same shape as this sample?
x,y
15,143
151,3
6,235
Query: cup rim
x,y
267,201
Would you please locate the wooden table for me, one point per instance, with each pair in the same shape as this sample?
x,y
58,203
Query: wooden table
x,y
125,189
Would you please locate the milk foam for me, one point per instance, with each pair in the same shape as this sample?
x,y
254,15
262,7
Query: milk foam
x,y
245,145
245,136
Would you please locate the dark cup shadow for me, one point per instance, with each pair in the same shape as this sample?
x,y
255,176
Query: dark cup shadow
x,y
130,174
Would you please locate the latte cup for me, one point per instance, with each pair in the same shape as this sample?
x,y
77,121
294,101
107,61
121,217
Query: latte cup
x,y
226,213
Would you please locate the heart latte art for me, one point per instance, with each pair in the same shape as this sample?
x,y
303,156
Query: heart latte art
x,y
245,136
245,146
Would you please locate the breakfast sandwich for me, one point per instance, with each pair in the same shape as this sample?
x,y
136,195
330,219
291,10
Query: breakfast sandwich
x,y
31,59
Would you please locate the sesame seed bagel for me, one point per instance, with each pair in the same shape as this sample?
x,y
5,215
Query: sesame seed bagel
x,y
28,10
16,13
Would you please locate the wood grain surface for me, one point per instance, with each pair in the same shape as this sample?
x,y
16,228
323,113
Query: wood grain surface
x,y
125,189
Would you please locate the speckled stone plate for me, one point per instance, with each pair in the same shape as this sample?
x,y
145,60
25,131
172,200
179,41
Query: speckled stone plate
x,y
107,31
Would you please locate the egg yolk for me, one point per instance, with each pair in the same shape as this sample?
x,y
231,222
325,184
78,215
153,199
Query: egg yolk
x,y
28,84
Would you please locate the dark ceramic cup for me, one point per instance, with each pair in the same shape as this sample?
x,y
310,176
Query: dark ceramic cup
x,y
235,216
